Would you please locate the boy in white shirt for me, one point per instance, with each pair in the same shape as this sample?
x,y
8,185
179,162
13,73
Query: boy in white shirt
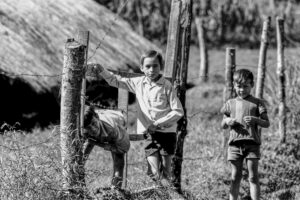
x,y
158,108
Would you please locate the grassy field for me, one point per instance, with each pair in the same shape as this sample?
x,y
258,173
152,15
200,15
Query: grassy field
x,y
30,163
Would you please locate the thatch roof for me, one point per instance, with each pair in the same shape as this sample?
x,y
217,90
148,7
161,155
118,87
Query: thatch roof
x,y
33,34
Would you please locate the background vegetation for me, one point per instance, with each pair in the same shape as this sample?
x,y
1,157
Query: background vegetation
x,y
235,22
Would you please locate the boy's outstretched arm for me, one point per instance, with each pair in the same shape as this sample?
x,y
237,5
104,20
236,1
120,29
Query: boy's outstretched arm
x,y
112,79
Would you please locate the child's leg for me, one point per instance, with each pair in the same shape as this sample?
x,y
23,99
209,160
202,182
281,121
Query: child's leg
x,y
236,176
118,165
252,164
166,166
154,165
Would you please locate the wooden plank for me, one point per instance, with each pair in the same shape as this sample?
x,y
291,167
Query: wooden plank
x,y
172,45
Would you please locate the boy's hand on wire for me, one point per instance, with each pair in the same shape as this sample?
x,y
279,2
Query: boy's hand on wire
x,y
95,67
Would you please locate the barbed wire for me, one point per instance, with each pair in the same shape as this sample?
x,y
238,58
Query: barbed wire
x,y
109,29
12,74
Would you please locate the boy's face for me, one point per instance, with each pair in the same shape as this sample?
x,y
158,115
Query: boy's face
x,y
243,89
151,68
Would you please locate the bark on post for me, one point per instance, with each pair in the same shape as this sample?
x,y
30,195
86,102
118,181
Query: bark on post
x,y
203,72
281,78
228,92
71,144
261,71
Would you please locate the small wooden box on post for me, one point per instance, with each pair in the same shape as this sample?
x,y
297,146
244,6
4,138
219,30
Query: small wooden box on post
x,y
71,143
176,64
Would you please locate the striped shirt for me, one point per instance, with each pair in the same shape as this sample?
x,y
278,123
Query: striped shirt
x,y
238,108
157,101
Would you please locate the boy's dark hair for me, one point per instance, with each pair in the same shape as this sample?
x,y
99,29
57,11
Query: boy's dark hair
x,y
242,75
152,54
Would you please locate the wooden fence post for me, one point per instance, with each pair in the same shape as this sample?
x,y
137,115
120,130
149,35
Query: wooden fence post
x,y
281,78
203,72
176,67
171,63
71,143
228,92
261,71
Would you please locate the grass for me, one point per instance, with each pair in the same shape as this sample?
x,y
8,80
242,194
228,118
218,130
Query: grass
x,y
30,162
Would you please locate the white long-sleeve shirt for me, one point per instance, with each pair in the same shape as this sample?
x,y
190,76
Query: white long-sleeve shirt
x,y
157,101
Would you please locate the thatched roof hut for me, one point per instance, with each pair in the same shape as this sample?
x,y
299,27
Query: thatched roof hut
x,y
33,34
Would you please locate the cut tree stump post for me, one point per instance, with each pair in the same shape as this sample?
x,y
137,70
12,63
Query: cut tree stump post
x,y
176,68
261,71
71,143
228,92
203,70
281,78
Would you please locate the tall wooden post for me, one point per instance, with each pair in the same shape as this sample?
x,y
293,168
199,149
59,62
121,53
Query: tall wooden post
x,y
176,64
71,143
228,92
203,72
281,78
261,71
173,35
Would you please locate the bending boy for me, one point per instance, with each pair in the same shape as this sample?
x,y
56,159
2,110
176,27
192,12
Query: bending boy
x,y
106,129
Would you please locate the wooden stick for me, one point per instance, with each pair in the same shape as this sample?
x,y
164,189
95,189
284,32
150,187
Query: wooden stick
x,y
228,92
203,72
261,70
281,78
71,143
82,37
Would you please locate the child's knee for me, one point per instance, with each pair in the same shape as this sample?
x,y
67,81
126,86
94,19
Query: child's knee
x,y
236,177
253,178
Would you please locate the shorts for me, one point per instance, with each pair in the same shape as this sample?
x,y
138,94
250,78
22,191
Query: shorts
x,y
164,143
242,151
